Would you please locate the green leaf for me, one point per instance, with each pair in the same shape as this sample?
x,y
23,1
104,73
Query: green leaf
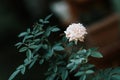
x,y
45,46
46,22
27,61
115,71
83,51
41,20
73,68
19,43
79,73
38,34
89,72
108,71
88,52
41,61
48,17
96,54
20,67
58,48
89,66
116,77
49,54
33,61
23,70
49,29
60,62
70,65
49,69
94,49
30,36
13,75
55,69
80,61
64,74
37,40
70,43
33,46
28,30
55,29
22,34
83,77
29,54
47,33
51,77
23,49
27,37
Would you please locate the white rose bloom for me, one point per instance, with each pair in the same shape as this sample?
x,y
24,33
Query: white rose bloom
x,y
76,32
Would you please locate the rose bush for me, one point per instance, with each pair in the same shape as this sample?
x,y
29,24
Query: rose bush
x,y
64,60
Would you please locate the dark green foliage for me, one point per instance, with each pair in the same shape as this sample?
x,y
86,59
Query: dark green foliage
x,y
34,40
107,74
63,57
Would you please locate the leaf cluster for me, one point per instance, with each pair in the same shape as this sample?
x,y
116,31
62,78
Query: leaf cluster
x,y
63,57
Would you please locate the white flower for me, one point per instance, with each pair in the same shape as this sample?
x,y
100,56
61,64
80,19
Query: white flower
x,y
76,32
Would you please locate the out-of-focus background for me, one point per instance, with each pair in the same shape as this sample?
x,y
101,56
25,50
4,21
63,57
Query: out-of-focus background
x,y
100,17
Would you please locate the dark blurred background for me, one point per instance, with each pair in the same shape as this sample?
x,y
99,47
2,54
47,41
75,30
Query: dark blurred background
x,y
101,17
